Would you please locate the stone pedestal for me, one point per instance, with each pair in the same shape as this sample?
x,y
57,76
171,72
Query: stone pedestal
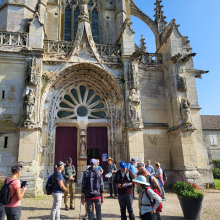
x,y
81,167
135,145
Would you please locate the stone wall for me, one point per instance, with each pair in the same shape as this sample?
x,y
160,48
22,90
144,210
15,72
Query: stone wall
x,y
214,149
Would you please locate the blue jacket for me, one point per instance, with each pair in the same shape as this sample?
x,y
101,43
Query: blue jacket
x,y
131,167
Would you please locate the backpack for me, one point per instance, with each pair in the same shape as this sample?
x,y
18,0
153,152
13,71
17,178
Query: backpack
x,y
94,182
5,193
164,175
49,185
159,208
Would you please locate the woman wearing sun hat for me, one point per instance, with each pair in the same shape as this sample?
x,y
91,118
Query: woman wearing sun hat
x,y
146,193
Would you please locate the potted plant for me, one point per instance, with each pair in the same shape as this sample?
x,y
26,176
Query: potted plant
x,y
190,198
2,208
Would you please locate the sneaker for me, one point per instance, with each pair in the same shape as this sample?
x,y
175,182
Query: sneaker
x,y
115,197
66,207
94,216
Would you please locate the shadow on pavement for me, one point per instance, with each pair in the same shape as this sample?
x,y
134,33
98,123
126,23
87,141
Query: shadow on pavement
x,y
33,208
164,217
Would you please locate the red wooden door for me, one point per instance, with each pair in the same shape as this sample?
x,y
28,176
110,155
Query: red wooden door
x,y
66,145
97,138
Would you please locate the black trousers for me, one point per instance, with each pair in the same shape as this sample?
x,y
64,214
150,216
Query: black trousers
x,y
146,216
13,213
111,190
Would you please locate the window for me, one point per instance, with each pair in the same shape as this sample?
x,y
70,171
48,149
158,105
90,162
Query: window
x,y
68,24
213,139
90,3
6,142
76,14
95,25
3,94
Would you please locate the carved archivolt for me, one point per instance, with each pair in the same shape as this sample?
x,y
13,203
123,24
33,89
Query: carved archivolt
x,y
105,97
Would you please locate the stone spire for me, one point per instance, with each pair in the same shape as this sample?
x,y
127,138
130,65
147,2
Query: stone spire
x,y
159,17
142,44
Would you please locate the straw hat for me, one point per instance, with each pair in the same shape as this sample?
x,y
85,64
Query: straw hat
x,y
141,180
109,158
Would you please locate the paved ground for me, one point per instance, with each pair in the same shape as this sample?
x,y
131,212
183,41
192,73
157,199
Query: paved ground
x,y
39,208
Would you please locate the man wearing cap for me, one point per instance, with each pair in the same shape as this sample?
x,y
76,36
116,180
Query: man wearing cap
x,y
131,167
68,173
111,168
92,190
123,180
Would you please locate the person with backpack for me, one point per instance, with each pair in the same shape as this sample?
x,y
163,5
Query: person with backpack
x,y
159,175
58,188
150,202
92,190
153,184
68,173
111,169
123,180
11,195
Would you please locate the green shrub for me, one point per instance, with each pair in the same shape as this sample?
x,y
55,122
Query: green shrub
x,y
216,173
216,163
2,181
183,188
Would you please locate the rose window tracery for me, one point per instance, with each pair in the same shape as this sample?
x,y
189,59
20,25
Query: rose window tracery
x,y
82,101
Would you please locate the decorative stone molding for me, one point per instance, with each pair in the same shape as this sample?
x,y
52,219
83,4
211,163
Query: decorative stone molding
x,y
34,71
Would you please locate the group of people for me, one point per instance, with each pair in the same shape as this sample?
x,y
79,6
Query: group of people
x,y
149,184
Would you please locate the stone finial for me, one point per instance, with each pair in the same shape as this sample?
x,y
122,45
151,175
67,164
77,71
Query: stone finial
x,y
159,17
142,44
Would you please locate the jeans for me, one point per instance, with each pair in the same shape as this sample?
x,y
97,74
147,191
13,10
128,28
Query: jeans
x,y
111,191
70,185
2,212
13,213
125,201
97,208
55,212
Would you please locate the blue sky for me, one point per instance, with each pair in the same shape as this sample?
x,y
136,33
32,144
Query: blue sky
x,y
200,21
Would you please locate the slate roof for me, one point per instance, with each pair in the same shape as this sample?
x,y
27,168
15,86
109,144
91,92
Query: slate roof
x,y
210,122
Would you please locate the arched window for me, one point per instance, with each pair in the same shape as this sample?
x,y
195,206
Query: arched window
x,y
95,25
68,24
76,14
90,3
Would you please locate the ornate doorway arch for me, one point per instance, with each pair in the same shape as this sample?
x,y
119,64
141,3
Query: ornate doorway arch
x,y
85,92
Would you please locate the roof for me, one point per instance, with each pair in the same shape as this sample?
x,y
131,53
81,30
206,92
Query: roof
x,y
210,122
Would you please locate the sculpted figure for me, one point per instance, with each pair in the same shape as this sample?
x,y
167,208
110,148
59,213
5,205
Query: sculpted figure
x,y
29,105
185,111
134,102
82,147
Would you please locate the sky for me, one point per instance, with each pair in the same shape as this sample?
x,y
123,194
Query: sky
x,y
200,21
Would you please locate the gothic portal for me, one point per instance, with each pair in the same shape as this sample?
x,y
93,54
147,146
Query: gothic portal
x,y
73,83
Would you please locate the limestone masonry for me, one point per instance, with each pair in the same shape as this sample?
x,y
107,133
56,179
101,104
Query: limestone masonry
x,y
73,83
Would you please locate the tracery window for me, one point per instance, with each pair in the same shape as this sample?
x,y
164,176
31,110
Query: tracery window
x,y
82,101
72,12
68,24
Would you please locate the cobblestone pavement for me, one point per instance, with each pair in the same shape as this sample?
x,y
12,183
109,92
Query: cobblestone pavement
x,y
39,208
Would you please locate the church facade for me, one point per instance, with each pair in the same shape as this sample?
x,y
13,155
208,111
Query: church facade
x,y
74,84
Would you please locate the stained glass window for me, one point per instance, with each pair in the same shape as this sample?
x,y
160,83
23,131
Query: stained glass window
x,y
90,3
95,25
72,2
68,24
76,14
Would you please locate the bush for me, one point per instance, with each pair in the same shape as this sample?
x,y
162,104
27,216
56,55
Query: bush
x,y
2,181
216,173
216,163
183,188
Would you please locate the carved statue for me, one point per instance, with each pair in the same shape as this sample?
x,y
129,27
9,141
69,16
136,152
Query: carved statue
x,y
181,81
134,103
29,105
185,111
82,147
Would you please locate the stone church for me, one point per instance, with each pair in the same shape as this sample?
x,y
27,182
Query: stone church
x,y
74,84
